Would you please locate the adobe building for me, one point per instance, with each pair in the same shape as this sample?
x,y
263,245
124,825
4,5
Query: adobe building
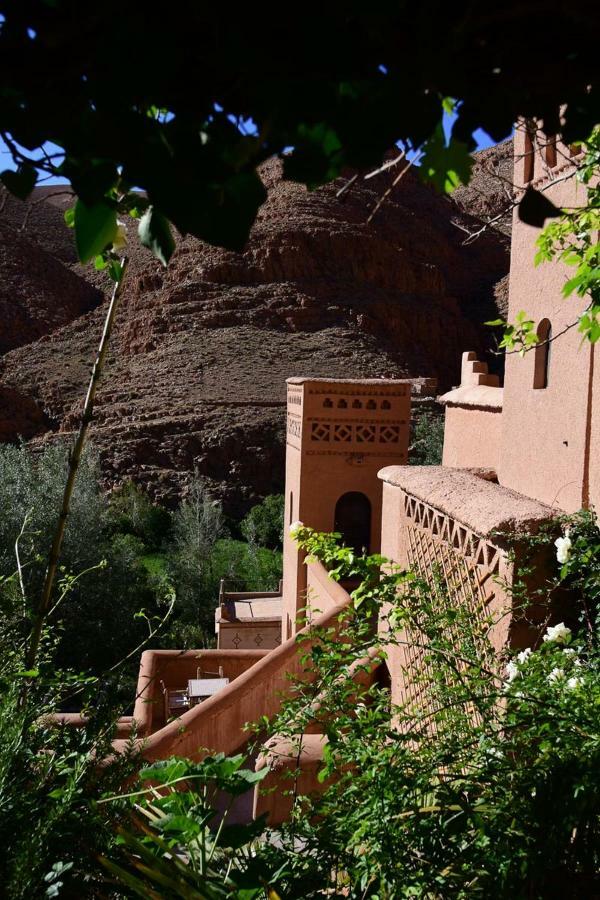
x,y
515,456
339,434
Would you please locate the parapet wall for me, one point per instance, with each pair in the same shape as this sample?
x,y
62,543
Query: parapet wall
x,y
473,425
455,523
218,724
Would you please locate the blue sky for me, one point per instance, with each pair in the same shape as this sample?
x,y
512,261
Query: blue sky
x,y
483,140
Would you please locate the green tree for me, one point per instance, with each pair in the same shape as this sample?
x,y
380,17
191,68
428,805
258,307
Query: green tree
x,y
132,512
102,584
197,525
263,525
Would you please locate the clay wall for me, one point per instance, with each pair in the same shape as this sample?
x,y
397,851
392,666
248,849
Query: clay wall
x,y
339,434
547,432
322,594
258,635
174,668
217,724
472,437
456,523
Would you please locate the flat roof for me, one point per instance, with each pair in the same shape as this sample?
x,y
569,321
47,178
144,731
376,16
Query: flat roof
x,y
483,396
253,609
481,505
303,379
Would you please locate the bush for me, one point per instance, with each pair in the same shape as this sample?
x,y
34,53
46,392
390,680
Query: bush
x,y
132,512
197,525
103,583
483,780
427,439
51,825
264,523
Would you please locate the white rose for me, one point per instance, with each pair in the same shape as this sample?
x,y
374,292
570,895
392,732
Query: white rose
x,y
556,675
573,683
511,671
563,548
295,528
523,655
559,633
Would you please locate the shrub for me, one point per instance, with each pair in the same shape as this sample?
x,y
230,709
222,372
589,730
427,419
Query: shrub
x,y
427,439
263,525
132,512
104,585
483,780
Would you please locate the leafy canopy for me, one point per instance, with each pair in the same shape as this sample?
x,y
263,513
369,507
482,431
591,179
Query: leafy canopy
x,y
185,107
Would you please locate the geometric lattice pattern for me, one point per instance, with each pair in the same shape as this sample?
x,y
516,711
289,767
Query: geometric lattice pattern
x,y
342,432
294,426
369,404
468,565
357,432
366,434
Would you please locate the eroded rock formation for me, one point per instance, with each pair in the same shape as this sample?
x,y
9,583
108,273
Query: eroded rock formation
x,y
202,349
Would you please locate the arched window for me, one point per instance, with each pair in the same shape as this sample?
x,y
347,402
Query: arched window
x,y
541,368
353,520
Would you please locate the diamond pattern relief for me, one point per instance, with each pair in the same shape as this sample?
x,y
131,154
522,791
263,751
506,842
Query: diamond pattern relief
x,y
436,546
365,433
389,434
319,431
342,432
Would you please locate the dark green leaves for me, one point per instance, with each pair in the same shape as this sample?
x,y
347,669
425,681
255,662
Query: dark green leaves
x,y
445,165
20,183
155,233
95,229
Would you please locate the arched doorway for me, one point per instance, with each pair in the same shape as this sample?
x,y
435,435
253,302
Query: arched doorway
x,y
353,520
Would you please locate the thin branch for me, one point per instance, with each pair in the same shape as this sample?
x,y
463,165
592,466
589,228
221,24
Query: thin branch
x,y
388,165
523,350
74,460
396,180
18,558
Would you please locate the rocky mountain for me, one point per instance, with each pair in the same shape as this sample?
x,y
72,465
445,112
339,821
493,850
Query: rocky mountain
x,y
202,349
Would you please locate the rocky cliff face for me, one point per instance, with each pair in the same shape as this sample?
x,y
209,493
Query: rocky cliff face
x,y
38,292
202,349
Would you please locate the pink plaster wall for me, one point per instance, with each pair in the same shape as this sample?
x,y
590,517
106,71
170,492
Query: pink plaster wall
x,y
322,594
547,433
472,437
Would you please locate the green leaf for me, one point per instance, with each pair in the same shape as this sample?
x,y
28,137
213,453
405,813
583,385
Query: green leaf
x,y
445,166
155,233
95,229
69,217
20,183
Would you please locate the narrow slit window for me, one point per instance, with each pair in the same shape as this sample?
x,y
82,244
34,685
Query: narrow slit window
x,y
551,151
543,352
528,153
